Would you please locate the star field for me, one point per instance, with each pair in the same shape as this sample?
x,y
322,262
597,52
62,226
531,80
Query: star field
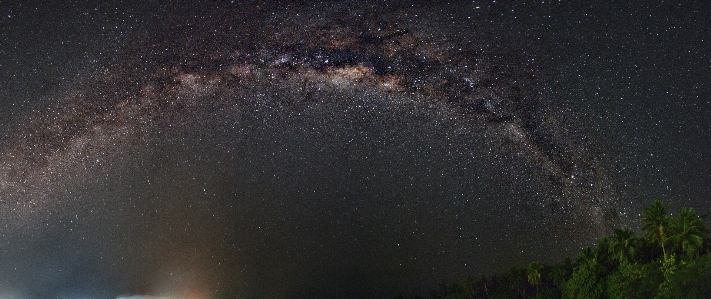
x,y
335,149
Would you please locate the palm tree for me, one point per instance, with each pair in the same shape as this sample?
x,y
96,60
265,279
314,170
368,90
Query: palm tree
x,y
534,274
622,246
656,223
484,281
687,232
602,253
468,287
516,280
584,255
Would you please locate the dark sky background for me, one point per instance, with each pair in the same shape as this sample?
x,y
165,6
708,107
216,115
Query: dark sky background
x,y
336,149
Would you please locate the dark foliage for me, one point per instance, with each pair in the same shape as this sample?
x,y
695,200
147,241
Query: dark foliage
x,y
671,258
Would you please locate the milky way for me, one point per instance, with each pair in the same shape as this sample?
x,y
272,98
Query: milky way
x,y
299,151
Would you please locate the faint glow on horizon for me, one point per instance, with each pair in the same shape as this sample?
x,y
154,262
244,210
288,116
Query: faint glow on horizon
x,y
146,297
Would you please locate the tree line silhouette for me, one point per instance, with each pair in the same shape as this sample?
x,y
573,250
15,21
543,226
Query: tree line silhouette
x,y
671,260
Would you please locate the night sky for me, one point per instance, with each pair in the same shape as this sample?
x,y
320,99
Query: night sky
x,y
336,149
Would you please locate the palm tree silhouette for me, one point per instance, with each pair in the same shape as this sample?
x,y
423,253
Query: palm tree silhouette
x,y
534,274
622,246
656,223
687,232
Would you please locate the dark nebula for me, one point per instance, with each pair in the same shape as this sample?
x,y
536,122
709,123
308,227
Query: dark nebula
x,y
335,149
